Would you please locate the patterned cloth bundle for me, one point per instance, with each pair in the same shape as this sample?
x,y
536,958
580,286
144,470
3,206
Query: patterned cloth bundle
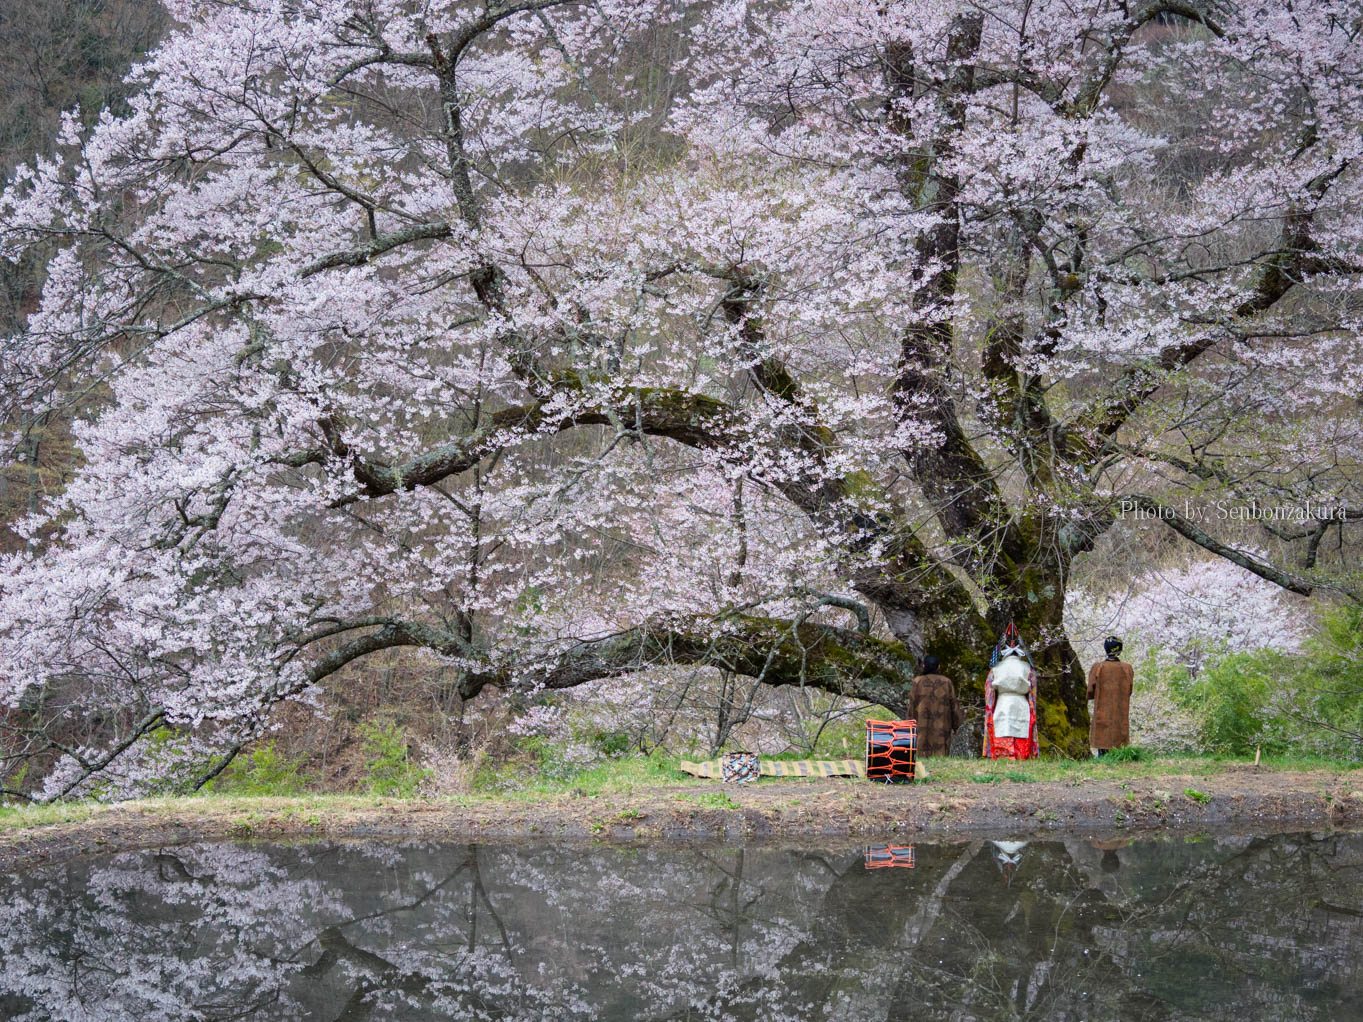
x,y
783,768
739,767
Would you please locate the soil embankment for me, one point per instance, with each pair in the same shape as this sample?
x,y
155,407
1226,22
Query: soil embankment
x,y
828,811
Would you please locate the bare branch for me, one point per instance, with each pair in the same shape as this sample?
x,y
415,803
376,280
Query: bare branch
x,y
1289,580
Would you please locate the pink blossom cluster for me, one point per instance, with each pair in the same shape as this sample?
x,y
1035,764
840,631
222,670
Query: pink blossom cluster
x,y
1189,616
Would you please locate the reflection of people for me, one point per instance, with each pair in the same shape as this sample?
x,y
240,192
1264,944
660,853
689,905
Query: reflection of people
x,y
1110,689
1009,857
1010,700
1110,862
933,703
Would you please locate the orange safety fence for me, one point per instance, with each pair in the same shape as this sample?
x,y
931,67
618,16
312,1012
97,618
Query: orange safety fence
x,y
891,750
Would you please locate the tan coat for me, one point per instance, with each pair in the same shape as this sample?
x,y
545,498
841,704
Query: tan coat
x,y
1110,689
933,703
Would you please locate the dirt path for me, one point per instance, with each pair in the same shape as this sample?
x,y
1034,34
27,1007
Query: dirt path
x,y
1240,798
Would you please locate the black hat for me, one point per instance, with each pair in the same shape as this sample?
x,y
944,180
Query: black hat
x,y
930,664
1112,645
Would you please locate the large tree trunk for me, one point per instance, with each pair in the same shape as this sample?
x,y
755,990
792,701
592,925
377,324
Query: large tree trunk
x,y
961,629
964,646
1062,709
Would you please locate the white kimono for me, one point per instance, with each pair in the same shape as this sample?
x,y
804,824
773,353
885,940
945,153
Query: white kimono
x,y
1012,712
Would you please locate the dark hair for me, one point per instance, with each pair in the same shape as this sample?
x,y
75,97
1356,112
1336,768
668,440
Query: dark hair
x,y
1112,645
930,665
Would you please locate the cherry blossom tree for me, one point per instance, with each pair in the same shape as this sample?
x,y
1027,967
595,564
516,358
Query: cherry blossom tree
x,y
554,340
1187,615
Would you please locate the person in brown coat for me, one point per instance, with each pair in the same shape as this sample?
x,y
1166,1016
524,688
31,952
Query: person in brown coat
x,y
1110,689
933,703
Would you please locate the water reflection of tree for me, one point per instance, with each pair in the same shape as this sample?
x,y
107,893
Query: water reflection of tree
x,y
373,978
178,936
1281,908
1166,935
1262,927
1019,948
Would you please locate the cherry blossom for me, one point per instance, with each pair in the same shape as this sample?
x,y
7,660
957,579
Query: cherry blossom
x,y
549,342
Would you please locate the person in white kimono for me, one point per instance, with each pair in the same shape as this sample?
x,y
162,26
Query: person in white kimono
x,y
1010,701
1009,857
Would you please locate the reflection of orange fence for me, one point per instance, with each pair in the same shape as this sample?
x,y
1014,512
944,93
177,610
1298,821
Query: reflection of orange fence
x,y
891,748
889,857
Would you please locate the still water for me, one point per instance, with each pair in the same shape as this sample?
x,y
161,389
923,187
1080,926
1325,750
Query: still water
x,y
1217,928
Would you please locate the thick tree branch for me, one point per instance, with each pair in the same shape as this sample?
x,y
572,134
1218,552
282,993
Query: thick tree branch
x,y
776,652
819,493
493,15
361,254
692,419
150,722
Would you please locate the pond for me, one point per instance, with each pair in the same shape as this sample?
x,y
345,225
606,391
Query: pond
x,y
1216,927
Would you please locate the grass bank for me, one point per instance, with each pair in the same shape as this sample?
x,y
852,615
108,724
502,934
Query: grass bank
x,y
647,779
643,772
1136,765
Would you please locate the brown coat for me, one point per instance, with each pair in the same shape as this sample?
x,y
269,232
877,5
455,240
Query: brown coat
x,y
1110,689
932,702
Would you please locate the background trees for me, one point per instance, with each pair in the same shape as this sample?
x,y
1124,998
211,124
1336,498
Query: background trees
x,y
555,342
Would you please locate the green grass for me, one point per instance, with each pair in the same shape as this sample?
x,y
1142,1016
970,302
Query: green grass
x,y
311,808
711,800
1129,754
966,771
20,817
609,776
643,774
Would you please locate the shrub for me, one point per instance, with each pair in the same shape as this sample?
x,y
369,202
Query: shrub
x,y
612,744
262,771
1164,720
14,782
1305,702
1128,754
1234,696
388,761
1330,703
449,772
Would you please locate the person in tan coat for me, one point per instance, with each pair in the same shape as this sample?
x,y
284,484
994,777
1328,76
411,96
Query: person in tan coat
x,y
1109,687
933,703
